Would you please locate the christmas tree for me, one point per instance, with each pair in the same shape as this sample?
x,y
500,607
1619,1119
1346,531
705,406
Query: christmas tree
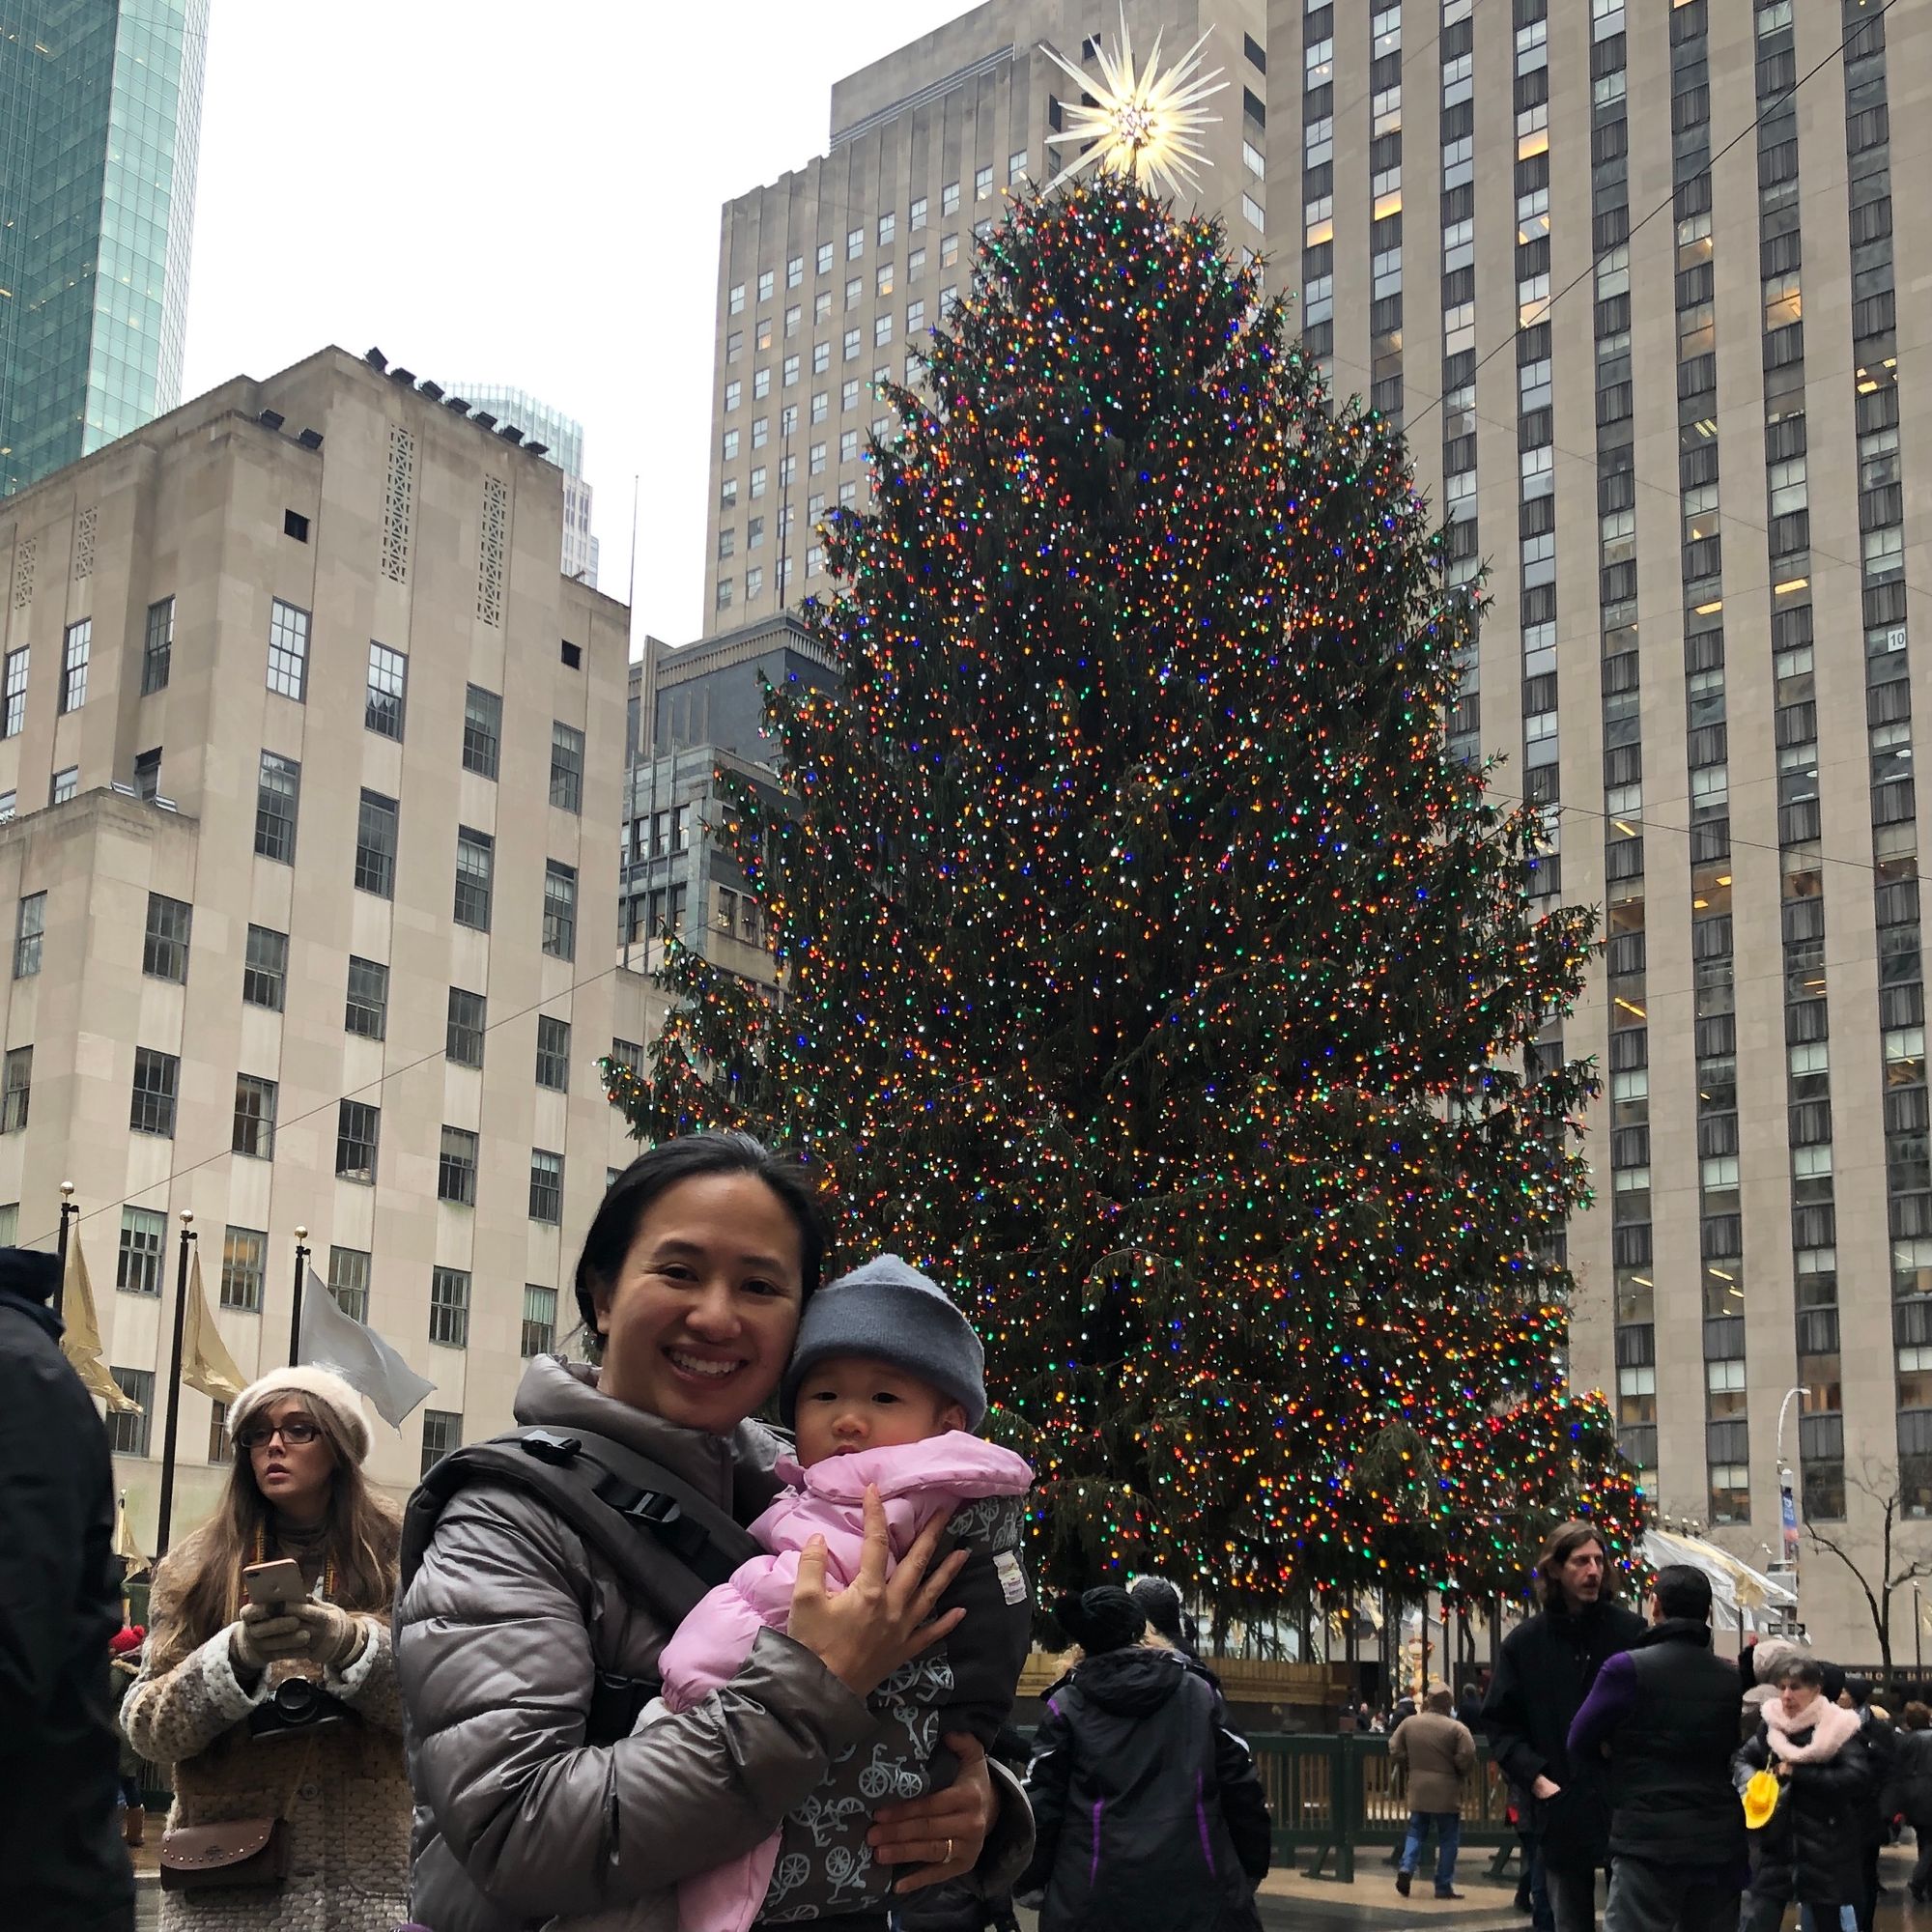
x,y
1152,975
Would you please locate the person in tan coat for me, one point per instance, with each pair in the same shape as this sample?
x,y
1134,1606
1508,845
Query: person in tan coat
x,y
1434,1753
219,1669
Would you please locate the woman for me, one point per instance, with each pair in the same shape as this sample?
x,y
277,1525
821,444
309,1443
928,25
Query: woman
x,y
212,1689
1911,1795
692,1279
1149,1813
1807,1846
124,1654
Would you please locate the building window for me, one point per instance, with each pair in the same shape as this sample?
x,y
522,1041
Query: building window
x,y
552,1053
137,1270
366,1010
348,1280
916,215
948,199
17,694
566,766
128,1428
148,774
218,1444
376,845
388,674
482,731
449,1306
66,784
735,302
16,1089
754,581
1016,166
546,1186
463,1042
983,182
255,1117
356,1127
443,1431
628,1053
539,1319
165,951
156,1077
455,1168
245,1253
559,919
287,650
277,795
724,597
265,973
475,867
29,931
9,805
823,259
766,284
158,650
733,393
73,665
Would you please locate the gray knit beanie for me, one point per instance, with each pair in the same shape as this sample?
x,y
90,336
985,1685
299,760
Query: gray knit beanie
x,y
886,1310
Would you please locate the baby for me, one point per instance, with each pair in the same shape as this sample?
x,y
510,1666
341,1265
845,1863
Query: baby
x,y
885,1386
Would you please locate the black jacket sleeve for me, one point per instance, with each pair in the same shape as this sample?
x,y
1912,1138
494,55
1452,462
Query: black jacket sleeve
x,y
1243,1802
1506,1718
43,1518
1048,1776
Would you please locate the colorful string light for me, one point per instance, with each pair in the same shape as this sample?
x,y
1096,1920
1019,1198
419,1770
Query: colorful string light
x,y
1151,974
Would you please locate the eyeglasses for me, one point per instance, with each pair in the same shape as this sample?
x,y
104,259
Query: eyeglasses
x,y
296,1430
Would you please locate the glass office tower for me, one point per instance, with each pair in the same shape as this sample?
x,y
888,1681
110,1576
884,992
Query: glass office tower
x,y
99,126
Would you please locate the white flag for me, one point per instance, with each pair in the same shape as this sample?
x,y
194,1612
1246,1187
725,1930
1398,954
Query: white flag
x,y
333,1340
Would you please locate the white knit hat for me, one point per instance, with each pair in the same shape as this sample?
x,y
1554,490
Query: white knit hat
x,y
320,1385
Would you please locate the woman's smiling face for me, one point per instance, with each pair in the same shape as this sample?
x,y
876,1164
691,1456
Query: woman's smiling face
x,y
699,1320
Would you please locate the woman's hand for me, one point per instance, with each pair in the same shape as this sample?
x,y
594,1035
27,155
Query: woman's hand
x,y
260,1635
944,1832
864,1632
335,1639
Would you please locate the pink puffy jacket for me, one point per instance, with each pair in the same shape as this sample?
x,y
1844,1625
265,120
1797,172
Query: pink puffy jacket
x,y
916,1482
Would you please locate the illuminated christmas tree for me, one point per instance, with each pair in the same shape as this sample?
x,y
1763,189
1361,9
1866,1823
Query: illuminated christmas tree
x,y
1152,975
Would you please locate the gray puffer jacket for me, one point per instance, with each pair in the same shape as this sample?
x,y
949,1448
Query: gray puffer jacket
x,y
498,1639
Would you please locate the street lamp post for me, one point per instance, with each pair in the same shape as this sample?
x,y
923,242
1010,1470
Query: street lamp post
x,y
1787,1489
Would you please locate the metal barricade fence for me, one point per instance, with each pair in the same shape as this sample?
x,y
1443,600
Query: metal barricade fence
x,y
1330,1795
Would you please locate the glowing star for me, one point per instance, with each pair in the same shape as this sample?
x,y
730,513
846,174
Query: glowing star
x,y
1145,125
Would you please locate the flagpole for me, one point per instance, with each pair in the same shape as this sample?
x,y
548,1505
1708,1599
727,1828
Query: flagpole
x,y
67,1211
167,1511
296,1313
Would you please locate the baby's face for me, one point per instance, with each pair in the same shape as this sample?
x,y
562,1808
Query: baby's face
x,y
852,1402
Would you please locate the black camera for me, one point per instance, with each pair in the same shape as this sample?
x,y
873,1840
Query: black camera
x,y
297,1705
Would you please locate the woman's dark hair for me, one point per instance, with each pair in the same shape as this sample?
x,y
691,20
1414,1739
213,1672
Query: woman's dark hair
x,y
1917,1717
651,1174
1804,1670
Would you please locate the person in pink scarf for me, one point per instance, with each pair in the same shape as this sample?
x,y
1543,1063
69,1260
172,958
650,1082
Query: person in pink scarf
x,y
1808,1850
883,1391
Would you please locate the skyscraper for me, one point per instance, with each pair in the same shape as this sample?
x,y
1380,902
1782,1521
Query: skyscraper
x,y
564,438
100,130
1626,272
830,277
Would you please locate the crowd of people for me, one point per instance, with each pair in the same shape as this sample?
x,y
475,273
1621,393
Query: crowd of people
x,y
647,1664
643,1665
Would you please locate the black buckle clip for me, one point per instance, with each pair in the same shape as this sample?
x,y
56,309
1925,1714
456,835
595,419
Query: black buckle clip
x,y
667,1522
548,1445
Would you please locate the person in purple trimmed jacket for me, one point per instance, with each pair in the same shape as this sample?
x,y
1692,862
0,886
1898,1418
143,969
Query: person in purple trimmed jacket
x,y
1666,1714
1147,1813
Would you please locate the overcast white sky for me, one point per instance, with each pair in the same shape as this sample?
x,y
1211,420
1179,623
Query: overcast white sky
x,y
518,191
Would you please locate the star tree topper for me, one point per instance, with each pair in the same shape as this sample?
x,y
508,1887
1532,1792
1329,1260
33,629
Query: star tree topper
x,y
1145,125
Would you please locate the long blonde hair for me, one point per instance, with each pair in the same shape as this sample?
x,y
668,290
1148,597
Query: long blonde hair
x,y
198,1588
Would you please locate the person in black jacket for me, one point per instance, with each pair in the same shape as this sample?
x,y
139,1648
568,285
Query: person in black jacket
x,y
1147,1815
63,1866
1881,1744
1664,1714
1910,1792
1810,1846
1546,1669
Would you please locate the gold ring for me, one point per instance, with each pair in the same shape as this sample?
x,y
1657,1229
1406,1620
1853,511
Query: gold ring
x,y
948,1858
